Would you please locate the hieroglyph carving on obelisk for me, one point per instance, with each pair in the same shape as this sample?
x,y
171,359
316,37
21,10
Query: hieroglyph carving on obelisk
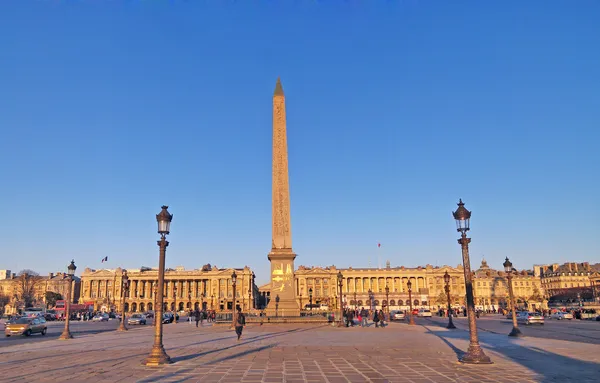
x,y
283,295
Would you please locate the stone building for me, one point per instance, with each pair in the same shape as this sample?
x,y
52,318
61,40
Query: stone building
x,y
208,287
365,287
37,286
559,279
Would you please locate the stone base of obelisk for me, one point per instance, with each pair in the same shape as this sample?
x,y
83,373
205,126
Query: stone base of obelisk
x,y
282,302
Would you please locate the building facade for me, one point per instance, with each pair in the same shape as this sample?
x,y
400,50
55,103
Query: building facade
x,y
21,291
209,288
366,287
559,279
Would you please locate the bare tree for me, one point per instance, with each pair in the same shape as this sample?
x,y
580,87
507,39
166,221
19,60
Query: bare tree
x,y
27,282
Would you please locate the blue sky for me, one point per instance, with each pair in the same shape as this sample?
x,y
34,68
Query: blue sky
x,y
396,109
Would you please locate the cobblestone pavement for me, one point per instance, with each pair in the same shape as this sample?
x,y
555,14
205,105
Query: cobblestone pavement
x,y
300,353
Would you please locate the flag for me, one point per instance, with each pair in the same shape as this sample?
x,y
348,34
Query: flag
x,y
105,259
378,244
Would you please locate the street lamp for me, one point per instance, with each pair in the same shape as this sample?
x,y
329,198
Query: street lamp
x,y
355,302
66,334
155,301
509,269
124,288
158,356
340,280
212,299
310,291
300,301
447,289
387,298
233,284
411,320
475,353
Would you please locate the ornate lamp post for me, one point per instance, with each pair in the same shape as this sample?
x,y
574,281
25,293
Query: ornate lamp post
x,y
158,356
509,269
447,289
387,298
300,301
155,300
355,302
66,334
233,284
212,301
340,280
124,289
310,298
175,300
190,300
475,353
411,320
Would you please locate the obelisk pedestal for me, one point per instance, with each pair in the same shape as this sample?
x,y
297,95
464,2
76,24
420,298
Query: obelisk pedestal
x,y
283,293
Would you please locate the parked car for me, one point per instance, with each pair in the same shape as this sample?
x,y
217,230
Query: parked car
x,y
168,318
397,315
559,315
26,326
101,318
530,317
137,319
149,314
424,313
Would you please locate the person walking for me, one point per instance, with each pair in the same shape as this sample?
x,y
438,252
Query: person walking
x,y
197,316
363,317
240,323
376,318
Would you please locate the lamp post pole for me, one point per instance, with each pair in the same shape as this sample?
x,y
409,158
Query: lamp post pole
x,y
233,285
310,291
300,301
155,300
340,279
447,289
475,354
411,320
175,301
509,269
124,289
158,355
387,298
212,301
66,334
355,302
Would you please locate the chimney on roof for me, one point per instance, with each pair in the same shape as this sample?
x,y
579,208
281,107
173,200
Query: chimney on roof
x,y
387,264
570,266
575,266
51,275
13,276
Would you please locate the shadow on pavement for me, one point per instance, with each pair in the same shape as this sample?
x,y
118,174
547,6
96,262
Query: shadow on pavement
x,y
548,365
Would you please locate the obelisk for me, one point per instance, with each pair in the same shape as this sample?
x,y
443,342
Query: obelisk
x,y
283,295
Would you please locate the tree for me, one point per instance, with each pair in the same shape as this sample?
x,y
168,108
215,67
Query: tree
x,y
4,299
27,282
536,296
51,298
441,299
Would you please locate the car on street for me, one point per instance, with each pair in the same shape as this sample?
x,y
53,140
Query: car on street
x,y
397,315
26,326
137,319
530,317
100,318
559,315
424,313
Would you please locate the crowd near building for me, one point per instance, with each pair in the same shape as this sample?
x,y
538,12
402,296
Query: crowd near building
x,y
211,288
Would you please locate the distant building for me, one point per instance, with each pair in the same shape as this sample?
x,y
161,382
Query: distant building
x,y
569,278
5,274
208,287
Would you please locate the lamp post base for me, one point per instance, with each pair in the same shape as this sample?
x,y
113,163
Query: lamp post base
x,y
122,327
65,335
450,324
475,355
157,357
516,332
411,321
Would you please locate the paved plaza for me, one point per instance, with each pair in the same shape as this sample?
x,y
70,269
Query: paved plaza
x,y
426,352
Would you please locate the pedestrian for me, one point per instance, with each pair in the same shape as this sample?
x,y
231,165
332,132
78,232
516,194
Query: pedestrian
x,y
363,317
197,316
240,322
376,318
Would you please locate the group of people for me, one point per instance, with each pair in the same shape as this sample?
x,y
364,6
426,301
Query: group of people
x,y
363,315
200,315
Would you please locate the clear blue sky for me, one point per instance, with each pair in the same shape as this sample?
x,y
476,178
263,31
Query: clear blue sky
x,y
396,109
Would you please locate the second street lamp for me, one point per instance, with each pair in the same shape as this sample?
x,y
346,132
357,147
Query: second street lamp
x,y
66,334
158,355
340,279
233,284
124,289
387,299
411,320
447,289
475,354
509,269
310,298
